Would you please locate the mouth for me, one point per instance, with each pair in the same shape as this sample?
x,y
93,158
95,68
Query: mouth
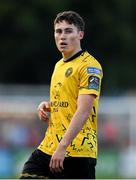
x,y
63,44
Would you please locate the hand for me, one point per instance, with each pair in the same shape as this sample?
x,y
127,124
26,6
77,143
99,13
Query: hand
x,y
44,111
57,159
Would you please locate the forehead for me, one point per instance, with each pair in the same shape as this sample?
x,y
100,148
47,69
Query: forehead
x,y
64,24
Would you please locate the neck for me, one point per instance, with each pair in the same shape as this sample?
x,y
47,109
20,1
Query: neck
x,y
67,55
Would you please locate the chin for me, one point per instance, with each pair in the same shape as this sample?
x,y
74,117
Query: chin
x,y
62,50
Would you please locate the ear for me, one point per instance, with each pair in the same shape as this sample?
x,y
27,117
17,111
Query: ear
x,y
81,34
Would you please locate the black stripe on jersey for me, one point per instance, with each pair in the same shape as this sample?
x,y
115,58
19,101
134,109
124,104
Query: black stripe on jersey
x,y
75,56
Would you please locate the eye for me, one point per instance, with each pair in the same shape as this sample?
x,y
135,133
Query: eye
x,y
58,31
68,31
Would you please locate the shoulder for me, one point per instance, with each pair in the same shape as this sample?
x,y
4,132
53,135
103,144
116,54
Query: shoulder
x,y
59,62
87,58
89,65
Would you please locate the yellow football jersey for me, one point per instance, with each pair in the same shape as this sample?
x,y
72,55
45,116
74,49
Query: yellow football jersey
x,y
81,74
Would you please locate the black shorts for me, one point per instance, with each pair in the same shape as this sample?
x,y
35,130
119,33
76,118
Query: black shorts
x,y
37,167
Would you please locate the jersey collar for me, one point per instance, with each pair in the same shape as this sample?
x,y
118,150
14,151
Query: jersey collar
x,y
74,56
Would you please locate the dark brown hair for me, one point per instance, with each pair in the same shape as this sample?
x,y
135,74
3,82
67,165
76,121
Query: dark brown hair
x,y
72,18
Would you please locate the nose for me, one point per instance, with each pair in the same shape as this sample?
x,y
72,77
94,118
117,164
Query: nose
x,y
63,36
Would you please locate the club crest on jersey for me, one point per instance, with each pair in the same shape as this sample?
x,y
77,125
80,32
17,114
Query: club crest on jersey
x,y
68,72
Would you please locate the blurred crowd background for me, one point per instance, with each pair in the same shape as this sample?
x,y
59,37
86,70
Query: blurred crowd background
x,y
27,58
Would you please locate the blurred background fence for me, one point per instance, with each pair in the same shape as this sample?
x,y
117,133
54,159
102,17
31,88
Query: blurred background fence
x,y
21,131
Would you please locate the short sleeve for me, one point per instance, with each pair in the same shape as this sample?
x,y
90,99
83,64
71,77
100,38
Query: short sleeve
x,y
90,77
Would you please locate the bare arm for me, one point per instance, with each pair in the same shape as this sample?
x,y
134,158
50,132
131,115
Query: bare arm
x,y
84,106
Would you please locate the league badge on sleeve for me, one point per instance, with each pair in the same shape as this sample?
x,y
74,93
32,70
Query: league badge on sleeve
x,y
94,83
94,70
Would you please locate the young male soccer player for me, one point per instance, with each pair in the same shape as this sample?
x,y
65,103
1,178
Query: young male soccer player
x,y
69,148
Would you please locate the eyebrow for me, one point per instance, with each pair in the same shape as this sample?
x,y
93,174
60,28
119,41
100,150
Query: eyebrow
x,y
64,29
